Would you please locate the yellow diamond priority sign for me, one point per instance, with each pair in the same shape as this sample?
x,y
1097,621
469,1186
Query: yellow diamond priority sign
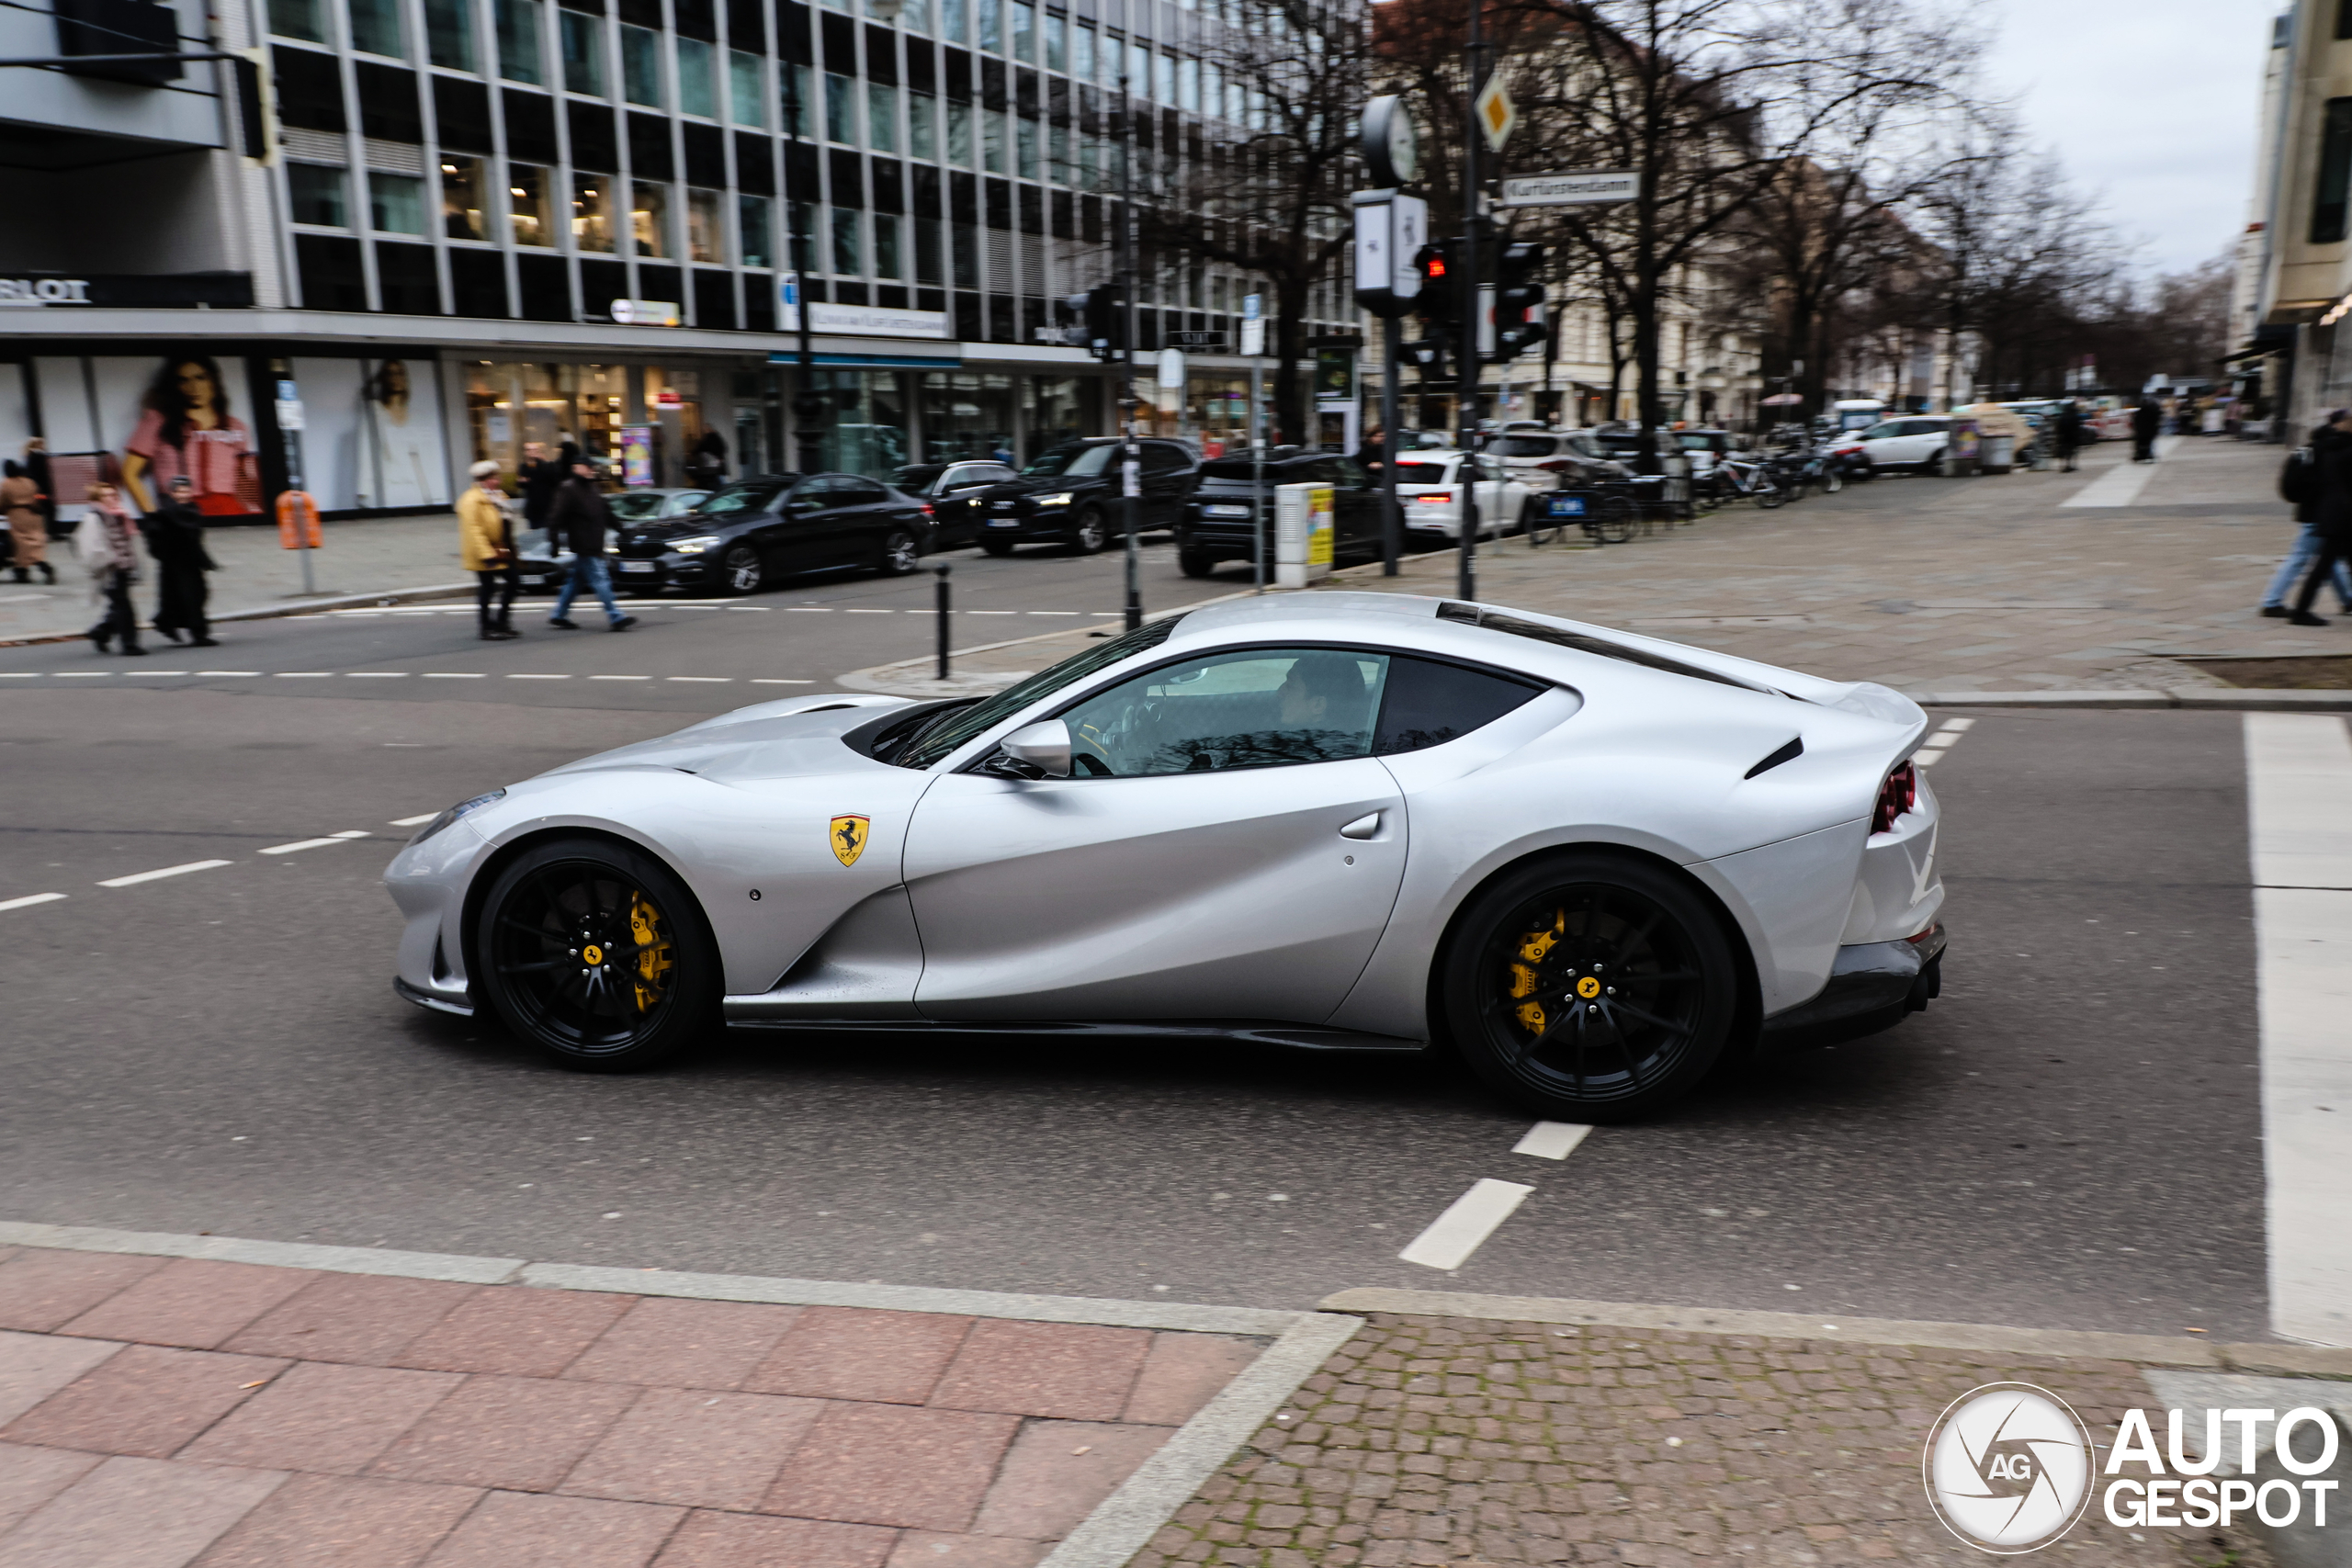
x,y
1497,114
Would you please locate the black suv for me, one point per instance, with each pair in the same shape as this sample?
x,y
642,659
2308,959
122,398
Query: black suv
x,y
953,490
768,526
1218,525
1070,495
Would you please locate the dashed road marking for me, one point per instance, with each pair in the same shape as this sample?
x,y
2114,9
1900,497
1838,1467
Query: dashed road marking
x,y
620,677
137,878
376,674
514,675
1551,1140
412,821
453,674
313,843
75,674
778,681
704,679
304,674
30,899
1453,1235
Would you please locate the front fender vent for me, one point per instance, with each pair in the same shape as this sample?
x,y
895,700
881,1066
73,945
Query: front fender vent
x,y
1788,754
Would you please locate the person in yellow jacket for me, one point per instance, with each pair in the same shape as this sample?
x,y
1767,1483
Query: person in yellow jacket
x,y
486,548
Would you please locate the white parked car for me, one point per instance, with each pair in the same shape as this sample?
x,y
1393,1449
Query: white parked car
x,y
1428,491
1914,442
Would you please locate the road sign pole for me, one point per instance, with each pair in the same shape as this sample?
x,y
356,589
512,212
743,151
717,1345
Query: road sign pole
x,y
1465,577
1131,460
1392,526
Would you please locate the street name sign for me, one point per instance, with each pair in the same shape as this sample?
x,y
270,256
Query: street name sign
x,y
1579,188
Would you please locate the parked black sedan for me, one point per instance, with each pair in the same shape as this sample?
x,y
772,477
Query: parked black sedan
x,y
953,490
771,525
1219,524
1071,495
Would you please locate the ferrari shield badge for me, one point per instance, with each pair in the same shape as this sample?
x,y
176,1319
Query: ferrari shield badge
x,y
849,835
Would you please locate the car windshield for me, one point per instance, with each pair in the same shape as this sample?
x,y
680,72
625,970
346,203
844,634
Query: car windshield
x,y
753,495
636,505
956,726
1523,446
1420,473
1073,461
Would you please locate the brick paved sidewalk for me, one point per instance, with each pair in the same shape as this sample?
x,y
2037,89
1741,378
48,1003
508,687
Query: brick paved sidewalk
x,y
1458,1443
158,1411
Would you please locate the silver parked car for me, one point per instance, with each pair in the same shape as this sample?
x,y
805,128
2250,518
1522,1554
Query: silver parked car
x,y
1593,862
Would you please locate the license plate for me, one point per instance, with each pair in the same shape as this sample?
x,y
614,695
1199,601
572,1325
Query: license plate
x,y
640,566
1224,512
1566,505
1004,522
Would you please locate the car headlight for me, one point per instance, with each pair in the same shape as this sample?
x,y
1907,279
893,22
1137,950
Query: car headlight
x,y
1060,497
695,545
460,810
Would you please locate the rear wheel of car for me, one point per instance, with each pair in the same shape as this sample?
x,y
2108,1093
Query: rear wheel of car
x,y
595,953
996,547
1195,563
1590,987
900,553
1934,465
1088,533
741,571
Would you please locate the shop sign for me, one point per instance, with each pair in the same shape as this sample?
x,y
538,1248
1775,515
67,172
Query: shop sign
x,y
646,312
36,290
876,320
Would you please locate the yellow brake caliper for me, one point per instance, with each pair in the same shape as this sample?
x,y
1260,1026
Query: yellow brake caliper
x,y
652,950
1523,974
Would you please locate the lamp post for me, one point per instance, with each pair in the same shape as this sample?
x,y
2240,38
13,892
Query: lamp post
x,y
1130,454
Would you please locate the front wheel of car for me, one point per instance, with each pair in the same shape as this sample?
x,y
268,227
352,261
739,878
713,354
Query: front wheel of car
x,y
741,571
900,555
1089,534
1590,987
1195,563
997,548
595,951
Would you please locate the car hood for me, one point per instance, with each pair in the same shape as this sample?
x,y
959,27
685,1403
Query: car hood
x,y
799,737
1013,490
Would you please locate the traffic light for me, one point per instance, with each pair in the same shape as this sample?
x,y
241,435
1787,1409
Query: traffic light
x,y
1429,355
1518,301
1441,300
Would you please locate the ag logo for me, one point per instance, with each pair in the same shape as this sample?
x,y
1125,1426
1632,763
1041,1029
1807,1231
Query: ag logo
x,y
848,838
2008,1468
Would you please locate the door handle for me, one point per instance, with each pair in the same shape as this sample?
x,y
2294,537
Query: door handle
x,y
1361,828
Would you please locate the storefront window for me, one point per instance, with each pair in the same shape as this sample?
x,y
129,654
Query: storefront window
x,y
706,236
868,429
648,217
526,198
508,405
463,199
591,213
1058,409
967,415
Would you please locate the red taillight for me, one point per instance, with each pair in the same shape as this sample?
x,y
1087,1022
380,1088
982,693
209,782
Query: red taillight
x,y
1898,795
1557,465
1442,499
929,510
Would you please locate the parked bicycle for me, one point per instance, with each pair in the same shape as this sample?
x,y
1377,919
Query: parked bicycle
x,y
1750,476
1606,514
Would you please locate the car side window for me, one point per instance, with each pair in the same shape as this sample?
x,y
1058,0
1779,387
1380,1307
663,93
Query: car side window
x,y
857,492
1164,459
1247,708
1881,431
1427,703
813,495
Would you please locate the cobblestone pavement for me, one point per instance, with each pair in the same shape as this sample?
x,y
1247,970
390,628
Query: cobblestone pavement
x,y
1460,1443
156,1412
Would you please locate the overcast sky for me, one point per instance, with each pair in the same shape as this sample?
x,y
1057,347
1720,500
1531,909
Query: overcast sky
x,y
2151,105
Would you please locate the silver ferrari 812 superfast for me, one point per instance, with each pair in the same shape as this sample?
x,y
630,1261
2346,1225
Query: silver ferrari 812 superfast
x,y
1593,864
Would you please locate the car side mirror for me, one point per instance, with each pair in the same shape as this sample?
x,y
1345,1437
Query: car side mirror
x,y
1043,746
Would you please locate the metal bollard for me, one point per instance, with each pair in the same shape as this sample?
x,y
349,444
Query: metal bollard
x,y
942,569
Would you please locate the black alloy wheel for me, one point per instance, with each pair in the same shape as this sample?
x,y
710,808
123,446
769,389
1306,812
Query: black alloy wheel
x,y
997,548
901,554
1088,532
741,569
1195,563
1590,987
595,953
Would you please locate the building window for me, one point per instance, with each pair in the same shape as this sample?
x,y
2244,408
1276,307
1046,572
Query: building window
x,y
952,20
800,242
526,204
922,126
882,116
1025,144
991,25
317,196
886,247
966,257
2343,19
297,18
840,108
641,66
757,230
1057,167
915,17
706,235
1081,51
649,217
1188,84
845,257
697,87
792,88
1167,92
396,203
959,135
992,141
518,40
747,104
591,213
1056,41
1024,30
449,33
2328,207
462,204
1138,70
376,26
584,52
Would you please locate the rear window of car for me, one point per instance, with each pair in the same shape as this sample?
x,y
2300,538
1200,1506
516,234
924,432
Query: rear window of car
x,y
1525,446
1420,473
1427,703
750,497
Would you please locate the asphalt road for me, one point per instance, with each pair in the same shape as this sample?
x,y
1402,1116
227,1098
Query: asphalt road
x,y
2070,1138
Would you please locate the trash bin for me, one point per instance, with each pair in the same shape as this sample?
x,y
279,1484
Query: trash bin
x,y
1996,454
1302,534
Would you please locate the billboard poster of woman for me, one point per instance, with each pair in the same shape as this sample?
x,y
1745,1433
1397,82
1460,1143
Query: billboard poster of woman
x,y
404,425
185,427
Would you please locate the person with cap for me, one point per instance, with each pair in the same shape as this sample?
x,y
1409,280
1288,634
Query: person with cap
x,y
581,517
176,538
486,548
2331,514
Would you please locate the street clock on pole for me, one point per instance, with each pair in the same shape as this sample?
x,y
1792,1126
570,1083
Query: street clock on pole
x,y
1391,146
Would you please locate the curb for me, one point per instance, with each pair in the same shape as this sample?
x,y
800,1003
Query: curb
x,y
278,612
2148,1349
2228,699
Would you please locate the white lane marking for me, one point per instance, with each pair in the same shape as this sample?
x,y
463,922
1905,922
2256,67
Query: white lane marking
x,y
1453,1235
1053,612
1924,758
991,612
375,674
1957,725
620,677
228,671
513,676
302,845
303,675
137,878
412,821
2121,485
808,609
778,681
2299,769
750,609
453,674
705,680
30,899
20,674
19,599
156,671
79,674
1551,1140
352,834
873,612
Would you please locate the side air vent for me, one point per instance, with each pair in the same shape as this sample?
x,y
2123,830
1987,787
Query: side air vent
x,y
1788,754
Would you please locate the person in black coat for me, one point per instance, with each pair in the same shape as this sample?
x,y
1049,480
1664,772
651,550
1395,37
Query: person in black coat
x,y
538,475
2332,512
581,517
2067,434
176,538
2147,420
